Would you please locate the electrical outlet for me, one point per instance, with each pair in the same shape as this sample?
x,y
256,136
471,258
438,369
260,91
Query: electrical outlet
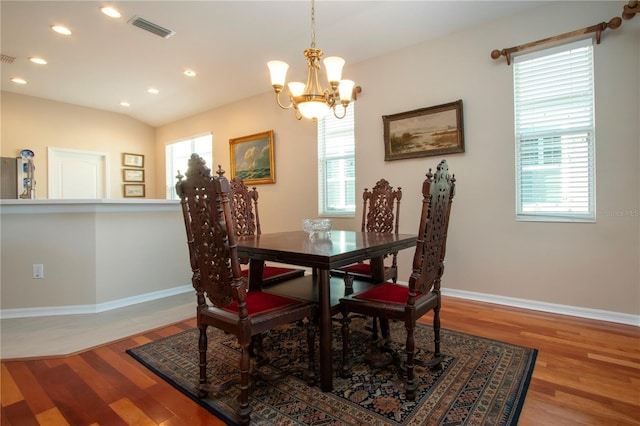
x,y
38,270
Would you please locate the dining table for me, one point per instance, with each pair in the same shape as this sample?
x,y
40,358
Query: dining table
x,y
321,252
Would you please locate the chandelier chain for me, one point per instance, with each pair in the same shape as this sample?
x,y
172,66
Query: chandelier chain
x,y
313,24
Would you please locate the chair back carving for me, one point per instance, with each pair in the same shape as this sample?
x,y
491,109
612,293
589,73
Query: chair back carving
x,y
381,208
244,207
438,191
210,236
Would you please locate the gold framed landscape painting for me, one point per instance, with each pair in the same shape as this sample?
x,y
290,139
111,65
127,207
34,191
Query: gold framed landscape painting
x,y
252,158
424,132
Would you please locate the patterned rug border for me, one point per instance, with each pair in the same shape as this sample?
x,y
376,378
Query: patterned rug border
x,y
516,402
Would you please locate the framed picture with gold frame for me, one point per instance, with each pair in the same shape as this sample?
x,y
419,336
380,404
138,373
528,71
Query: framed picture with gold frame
x,y
132,160
424,132
133,175
252,158
134,190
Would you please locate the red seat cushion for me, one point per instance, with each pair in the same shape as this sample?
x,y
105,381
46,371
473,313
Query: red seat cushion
x,y
358,268
269,272
388,293
259,302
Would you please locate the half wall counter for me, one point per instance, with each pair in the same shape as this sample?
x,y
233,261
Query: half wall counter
x,y
96,255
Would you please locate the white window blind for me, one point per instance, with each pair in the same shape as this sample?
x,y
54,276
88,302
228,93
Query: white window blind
x,y
554,124
177,159
336,165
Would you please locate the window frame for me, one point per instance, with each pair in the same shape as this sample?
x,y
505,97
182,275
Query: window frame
x,y
337,135
170,181
555,154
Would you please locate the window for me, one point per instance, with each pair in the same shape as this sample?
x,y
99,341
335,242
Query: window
x,y
336,165
177,157
554,124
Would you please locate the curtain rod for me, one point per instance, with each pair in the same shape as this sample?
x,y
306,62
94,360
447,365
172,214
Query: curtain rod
x,y
628,11
597,28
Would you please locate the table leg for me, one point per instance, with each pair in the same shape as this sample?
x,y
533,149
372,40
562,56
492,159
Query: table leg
x,y
377,269
256,269
324,296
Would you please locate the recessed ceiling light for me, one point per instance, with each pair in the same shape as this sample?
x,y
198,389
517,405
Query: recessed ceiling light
x,y
19,80
153,90
37,60
110,12
124,104
61,30
190,73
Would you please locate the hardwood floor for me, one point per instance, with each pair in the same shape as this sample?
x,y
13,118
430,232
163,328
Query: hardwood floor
x,y
587,373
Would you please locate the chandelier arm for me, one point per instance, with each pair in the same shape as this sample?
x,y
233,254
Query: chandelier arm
x,y
344,111
291,103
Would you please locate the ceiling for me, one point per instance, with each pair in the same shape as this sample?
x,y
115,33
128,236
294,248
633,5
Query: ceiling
x,y
228,43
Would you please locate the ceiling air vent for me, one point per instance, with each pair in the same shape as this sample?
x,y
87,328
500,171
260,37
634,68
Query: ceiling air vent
x,y
156,29
6,58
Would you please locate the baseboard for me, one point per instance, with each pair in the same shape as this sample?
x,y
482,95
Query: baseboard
x,y
554,308
93,309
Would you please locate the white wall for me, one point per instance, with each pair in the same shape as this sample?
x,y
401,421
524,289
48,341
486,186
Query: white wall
x,y
592,266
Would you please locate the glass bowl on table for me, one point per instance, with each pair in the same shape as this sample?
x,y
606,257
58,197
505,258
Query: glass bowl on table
x,y
317,227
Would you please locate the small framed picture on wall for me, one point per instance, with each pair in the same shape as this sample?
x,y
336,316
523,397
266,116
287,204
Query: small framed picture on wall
x,y
133,175
133,190
132,160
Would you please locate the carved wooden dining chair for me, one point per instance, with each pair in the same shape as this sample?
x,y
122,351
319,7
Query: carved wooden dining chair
x,y
211,239
244,209
398,302
380,213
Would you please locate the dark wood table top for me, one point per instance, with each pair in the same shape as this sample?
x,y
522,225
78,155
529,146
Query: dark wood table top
x,y
337,249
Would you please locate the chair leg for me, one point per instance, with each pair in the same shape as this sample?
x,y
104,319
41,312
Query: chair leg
x,y
411,384
202,349
346,362
437,358
244,410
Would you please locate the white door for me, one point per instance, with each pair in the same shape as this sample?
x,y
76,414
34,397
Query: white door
x,y
77,174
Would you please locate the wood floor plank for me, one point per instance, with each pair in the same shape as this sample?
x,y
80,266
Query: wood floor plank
x,y
182,406
615,412
10,391
19,414
107,390
52,417
612,360
30,387
130,413
153,408
139,378
75,398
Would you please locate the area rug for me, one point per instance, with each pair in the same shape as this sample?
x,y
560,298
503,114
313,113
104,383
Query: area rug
x,y
483,382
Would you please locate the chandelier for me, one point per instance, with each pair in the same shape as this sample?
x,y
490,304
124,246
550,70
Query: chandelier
x,y
310,100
